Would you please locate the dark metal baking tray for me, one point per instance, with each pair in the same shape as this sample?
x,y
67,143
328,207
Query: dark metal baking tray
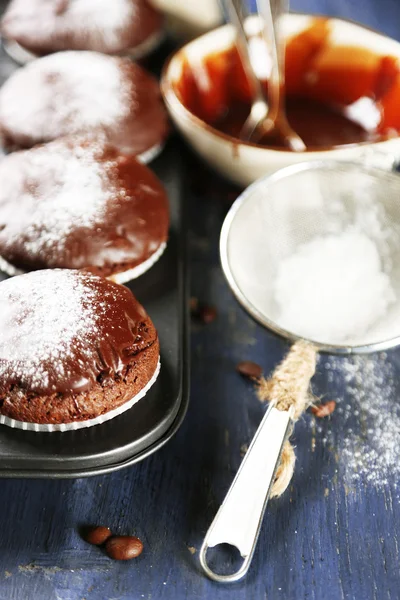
x,y
144,428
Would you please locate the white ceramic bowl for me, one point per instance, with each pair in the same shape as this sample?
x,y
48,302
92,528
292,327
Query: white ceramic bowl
x,y
242,162
189,18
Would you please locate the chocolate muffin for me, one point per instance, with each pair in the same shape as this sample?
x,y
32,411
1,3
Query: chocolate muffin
x,y
80,92
79,203
73,347
109,26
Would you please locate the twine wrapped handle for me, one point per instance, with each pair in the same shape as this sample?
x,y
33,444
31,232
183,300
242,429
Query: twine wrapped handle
x,y
288,388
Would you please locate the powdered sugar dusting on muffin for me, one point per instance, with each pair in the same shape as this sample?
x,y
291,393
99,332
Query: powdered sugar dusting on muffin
x,y
92,24
44,317
68,92
66,188
108,18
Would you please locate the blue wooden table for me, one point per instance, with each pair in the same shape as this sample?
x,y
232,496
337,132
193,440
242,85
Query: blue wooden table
x,y
334,535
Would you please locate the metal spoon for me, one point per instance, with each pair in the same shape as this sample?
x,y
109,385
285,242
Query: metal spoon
x,y
265,118
259,107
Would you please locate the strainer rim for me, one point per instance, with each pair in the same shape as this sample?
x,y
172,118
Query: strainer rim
x,y
244,197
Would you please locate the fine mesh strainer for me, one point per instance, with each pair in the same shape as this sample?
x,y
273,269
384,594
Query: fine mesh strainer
x,y
269,221
277,214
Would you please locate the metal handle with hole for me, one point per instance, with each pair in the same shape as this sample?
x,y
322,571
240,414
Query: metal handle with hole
x,y
238,521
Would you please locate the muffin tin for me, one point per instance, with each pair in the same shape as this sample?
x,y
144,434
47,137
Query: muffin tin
x,y
147,426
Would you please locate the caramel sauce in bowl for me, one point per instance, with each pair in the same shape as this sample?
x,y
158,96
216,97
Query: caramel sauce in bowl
x,y
342,96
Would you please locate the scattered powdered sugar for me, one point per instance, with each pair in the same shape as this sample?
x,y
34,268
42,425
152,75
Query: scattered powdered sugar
x,y
333,288
68,92
61,188
366,431
55,320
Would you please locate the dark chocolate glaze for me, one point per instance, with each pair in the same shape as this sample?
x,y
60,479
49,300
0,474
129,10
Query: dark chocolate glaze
x,y
129,227
44,27
58,107
115,331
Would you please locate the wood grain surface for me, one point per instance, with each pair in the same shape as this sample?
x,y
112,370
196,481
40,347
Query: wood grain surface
x,y
325,539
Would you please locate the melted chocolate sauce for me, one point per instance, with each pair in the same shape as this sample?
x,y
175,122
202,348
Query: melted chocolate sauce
x,y
321,81
319,125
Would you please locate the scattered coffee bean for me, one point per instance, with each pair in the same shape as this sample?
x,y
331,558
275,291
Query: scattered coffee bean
x,y
97,535
249,369
123,547
194,306
201,311
324,410
207,314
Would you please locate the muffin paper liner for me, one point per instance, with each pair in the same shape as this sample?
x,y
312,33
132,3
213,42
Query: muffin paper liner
x,y
22,56
149,155
147,47
18,52
9,269
130,274
44,427
122,277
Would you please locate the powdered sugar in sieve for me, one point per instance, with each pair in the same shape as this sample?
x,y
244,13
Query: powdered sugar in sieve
x,y
312,252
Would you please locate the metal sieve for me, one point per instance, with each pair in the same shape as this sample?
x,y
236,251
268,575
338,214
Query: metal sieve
x,y
268,222
277,214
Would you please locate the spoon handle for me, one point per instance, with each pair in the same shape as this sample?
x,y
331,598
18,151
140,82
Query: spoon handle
x,y
270,16
271,12
238,521
235,12
278,8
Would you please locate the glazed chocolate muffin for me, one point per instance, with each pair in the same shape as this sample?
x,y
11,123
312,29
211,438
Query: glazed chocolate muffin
x,y
73,346
80,92
108,26
78,203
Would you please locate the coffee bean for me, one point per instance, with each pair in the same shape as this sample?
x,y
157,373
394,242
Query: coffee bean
x,y
249,369
207,314
194,306
324,410
123,547
97,535
203,312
